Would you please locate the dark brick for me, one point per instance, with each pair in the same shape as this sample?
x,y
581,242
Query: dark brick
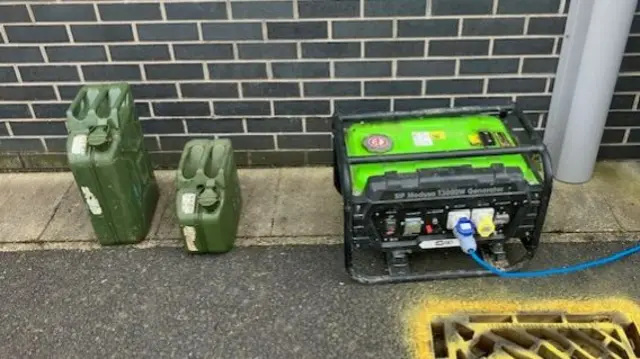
x,y
49,73
635,25
298,70
493,26
430,28
454,86
331,50
349,107
3,129
319,158
394,48
328,8
628,84
62,12
20,54
151,143
184,108
394,8
318,125
501,85
534,103
111,72
612,136
26,93
168,32
293,108
358,69
251,142
210,90
21,145
622,102
630,63
242,108
50,110
7,74
634,135
36,34
489,66
458,47
482,101
304,141
392,88
633,44
129,12
139,52
68,92
546,25
196,11
13,13
154,91
174,71
528,6
559,46
232,31
416,104
76,53
38,128
540,65
262,10
162,126
102,33
624,119
277,158
175,143
271,89
618,152
297,30
331,89
267,51
362,29
461,7
255,70
274,125
218,125
426,68
203,51
143,109
523,46
14,111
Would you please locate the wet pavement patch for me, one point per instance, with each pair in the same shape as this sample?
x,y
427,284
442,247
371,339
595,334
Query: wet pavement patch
x,y
553,329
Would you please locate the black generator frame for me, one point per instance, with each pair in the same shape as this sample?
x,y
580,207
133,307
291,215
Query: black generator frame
x,y
342,180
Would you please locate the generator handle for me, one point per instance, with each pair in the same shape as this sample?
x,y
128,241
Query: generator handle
x,y
436,112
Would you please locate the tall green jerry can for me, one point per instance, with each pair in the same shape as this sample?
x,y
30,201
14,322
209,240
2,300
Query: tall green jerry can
x,y
208,199
110,164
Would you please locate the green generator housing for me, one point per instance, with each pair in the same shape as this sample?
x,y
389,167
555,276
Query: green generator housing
x,y
406,178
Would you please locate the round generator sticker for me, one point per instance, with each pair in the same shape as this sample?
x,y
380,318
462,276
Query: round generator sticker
x,y
377,143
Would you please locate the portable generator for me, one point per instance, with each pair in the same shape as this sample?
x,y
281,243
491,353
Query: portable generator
x,y
409,179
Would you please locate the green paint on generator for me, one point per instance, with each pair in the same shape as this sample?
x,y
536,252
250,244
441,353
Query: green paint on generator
x,y
110,164
209,199
408,177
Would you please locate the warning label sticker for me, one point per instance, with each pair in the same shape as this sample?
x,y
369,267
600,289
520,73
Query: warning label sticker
x,y
422,139
377,143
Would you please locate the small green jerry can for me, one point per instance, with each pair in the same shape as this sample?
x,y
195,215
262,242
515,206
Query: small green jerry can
x,y
208,200
110,164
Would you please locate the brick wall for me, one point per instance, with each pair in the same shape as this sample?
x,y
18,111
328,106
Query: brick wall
x,y
269,73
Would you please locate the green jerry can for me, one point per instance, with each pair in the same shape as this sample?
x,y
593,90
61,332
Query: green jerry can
x,y
110,164
208,199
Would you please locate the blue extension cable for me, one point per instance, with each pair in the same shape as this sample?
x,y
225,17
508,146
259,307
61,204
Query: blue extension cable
x,y
462,232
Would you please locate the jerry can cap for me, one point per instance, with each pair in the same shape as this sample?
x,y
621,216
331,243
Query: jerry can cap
x,y
99,134
209,197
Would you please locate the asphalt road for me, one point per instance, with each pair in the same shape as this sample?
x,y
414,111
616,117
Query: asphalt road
x,y
261,302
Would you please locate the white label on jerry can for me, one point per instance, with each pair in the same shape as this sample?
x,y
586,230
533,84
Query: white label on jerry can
x,y
421,139
188,203
79,145
92,201
190,238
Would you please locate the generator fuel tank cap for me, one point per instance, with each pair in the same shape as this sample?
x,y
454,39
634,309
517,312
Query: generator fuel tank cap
x,y
377,143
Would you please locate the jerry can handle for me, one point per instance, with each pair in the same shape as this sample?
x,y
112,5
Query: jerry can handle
x,y
99,134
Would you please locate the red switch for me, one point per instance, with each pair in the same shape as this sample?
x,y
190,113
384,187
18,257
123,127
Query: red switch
x,y
429,228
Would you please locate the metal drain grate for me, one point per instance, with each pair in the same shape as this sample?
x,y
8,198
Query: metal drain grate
x,y
535,336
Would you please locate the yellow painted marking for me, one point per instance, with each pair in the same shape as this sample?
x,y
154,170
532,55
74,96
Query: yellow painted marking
x,y
438,135
475,140
420,317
